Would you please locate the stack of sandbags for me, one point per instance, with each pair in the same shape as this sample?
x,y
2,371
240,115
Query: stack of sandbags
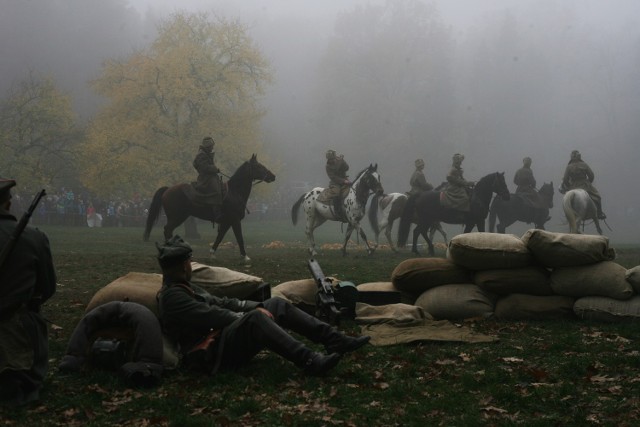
x,y
442,288
505,267
582,267
542,275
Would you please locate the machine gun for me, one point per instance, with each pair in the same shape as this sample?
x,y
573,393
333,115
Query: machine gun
x,y
8,247
326,306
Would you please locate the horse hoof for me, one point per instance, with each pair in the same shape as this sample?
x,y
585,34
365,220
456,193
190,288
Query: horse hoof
x,y
246,259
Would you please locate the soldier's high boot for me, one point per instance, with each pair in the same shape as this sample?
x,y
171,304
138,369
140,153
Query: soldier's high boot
x,y
268,333
291,317
337,207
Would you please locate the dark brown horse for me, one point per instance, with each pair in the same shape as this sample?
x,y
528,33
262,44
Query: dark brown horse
x,y
427,209
178,207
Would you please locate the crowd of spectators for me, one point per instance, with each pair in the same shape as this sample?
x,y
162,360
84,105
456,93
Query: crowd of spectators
x,y
67,207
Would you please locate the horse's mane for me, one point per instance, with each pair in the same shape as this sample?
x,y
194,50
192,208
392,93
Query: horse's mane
x,y
360,174
486,178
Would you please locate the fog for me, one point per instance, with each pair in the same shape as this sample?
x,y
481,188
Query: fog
x,y
388,82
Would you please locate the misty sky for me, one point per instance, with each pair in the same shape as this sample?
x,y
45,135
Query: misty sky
x,y
519,78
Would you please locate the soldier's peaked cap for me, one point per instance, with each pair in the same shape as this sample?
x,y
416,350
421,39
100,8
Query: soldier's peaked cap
x,y
174,250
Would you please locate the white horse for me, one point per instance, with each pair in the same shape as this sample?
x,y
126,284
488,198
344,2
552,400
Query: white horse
x,y
366,183
383,212
578,207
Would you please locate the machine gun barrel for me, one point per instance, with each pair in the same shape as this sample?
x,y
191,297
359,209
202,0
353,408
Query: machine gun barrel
x,y
326,308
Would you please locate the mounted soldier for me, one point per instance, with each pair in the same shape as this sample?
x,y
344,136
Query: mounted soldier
x,y
457,193
418,182
526,185
208,186
339,183
578,174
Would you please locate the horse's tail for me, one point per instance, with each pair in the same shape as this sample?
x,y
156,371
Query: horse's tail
x,y
406,220
296,208
373,214
154,212
493,214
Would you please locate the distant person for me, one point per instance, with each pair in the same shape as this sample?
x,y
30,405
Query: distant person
x,y
457,192
27,280
239,329
578,174
526,185
418,182
339,183
208,185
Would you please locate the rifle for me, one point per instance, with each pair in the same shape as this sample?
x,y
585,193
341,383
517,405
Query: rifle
x,y
22,224
326,308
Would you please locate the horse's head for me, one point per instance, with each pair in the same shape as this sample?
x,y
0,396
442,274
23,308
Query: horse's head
x,y
372,180
547,192
499,186
259,171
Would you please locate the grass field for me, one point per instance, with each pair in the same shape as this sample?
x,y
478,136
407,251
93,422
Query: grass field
x,y
570,373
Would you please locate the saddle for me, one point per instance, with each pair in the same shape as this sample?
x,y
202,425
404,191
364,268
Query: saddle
x,y
198,198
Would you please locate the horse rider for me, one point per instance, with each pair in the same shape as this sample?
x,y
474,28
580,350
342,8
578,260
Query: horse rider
x,y
339,183
578,174
418,182
526,185
457,193
208,185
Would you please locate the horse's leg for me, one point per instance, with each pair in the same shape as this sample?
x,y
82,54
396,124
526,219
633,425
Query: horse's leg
x,y
416,235
237,231
222,230
172,224
346,239
313,221
438,227
370,250
425,235
387,233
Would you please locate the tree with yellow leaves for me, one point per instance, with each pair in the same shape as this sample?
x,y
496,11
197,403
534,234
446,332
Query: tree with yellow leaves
x,y
38,135
198,78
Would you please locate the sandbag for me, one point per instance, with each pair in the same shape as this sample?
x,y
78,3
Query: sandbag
x,y
633,277
527,280
143,287
416,275
605,279
405,297
456,301
223,282
602,309
135,287
297,291
399,313
567,250
531,307
488,251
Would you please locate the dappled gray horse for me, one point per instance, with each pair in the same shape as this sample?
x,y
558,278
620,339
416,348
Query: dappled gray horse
x,y
366,183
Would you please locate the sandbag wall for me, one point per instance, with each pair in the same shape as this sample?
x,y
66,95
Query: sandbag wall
x,y
542,275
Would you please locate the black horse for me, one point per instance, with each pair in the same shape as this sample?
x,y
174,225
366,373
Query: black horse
x,y
516,209
428,210
178,207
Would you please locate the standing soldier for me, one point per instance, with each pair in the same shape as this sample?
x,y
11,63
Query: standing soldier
x,y
208,185
418,181
27,280
578,174
456,195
